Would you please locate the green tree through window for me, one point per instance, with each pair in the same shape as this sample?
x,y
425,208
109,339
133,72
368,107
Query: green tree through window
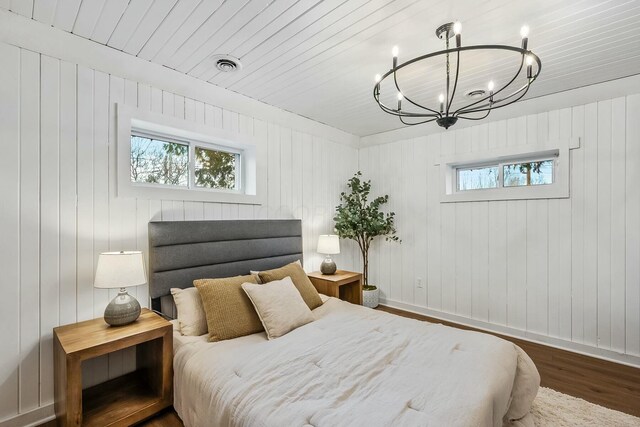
x,y
215,169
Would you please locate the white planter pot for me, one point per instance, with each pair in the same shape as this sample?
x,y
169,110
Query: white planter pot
x,y
370,298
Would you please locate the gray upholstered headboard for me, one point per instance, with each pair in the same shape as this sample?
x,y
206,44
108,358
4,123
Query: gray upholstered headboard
x,y
183,251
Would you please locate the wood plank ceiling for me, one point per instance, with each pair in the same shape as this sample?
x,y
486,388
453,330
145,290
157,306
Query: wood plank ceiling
x,y
317,58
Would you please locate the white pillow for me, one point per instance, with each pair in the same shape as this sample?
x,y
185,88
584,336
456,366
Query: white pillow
x,y
279,305
192,319
256,274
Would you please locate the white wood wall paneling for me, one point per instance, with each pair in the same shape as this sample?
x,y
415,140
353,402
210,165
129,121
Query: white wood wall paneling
x,y
618,223
433,279
277,11
632,249
167,28
604,224
564,268
68,192
23,7
128,23
157,12
44,11
29,387
216,22
49,219
87,18
591,225
10,211
363,20
326,32
65,15
205,41
195,20
577,227
110,14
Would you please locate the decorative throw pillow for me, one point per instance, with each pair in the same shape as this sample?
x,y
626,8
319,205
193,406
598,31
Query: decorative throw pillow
x,y
300,280
256,274
279,305
229,311
192,320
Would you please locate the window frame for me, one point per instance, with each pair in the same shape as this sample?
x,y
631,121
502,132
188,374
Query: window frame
x,y
250,172
500,166
558,151
192,144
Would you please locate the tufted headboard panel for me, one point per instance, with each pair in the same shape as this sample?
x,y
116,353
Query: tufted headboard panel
x,y
183,251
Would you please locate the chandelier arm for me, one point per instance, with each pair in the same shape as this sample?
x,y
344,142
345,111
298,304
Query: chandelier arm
x,y
417,123
495,93
395,81
475,118
493,104
404,114
508,103
455,83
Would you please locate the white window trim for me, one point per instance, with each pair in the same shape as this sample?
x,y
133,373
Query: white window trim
x,y
252,186
558,151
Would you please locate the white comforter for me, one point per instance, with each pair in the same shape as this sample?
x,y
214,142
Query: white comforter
x,y
355,366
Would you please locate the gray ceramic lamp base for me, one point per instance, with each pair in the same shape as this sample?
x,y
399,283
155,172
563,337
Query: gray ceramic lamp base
x,y
122,310
328,266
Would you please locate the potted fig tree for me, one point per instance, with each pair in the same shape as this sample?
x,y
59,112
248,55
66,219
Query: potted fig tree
x,y
360,219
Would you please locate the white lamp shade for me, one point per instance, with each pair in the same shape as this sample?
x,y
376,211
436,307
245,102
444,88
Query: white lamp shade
x,y
120,270
328,244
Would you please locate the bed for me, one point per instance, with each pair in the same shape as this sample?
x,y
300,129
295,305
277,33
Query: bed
x,y
351,366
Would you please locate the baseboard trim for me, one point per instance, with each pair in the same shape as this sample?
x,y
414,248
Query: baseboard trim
x,y
559,343
35,417
604,382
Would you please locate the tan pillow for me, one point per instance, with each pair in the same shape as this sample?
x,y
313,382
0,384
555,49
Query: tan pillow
x,y
229,311
191,317
279,305
300,280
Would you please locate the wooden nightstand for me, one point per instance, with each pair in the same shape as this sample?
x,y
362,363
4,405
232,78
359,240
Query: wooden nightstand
x,y
121,401
345,285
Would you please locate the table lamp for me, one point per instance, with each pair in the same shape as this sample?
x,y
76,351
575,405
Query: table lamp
x,y
120,270
328,244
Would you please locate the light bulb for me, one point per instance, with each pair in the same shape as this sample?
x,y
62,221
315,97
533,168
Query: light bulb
x,y
457,28
400,96
490,85
441,98
378,77
524,31
394,51
529,60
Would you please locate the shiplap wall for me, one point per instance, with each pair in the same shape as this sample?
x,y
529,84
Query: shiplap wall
x,y
562,268
59,210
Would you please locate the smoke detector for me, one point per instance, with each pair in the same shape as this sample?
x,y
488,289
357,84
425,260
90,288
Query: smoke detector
x,y
227,63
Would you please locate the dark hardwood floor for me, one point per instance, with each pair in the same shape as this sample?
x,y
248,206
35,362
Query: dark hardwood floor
x,y
599,381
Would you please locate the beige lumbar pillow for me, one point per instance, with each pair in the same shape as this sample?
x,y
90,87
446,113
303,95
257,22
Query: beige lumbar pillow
x,y
279,305
229,311
191,317
300,280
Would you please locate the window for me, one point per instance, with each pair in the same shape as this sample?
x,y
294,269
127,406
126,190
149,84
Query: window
x,y
518,172
216,169
509,174
168,158
154,161
529,173
158,160
477,178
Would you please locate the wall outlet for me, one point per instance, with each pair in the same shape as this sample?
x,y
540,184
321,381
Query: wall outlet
x,y
419,282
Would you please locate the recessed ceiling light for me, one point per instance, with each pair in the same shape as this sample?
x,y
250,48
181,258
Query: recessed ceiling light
x,y
227,63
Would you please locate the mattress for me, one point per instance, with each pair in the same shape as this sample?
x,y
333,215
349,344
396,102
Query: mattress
x,y
354,366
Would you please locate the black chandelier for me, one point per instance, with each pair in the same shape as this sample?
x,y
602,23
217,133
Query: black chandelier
x,y
483,102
